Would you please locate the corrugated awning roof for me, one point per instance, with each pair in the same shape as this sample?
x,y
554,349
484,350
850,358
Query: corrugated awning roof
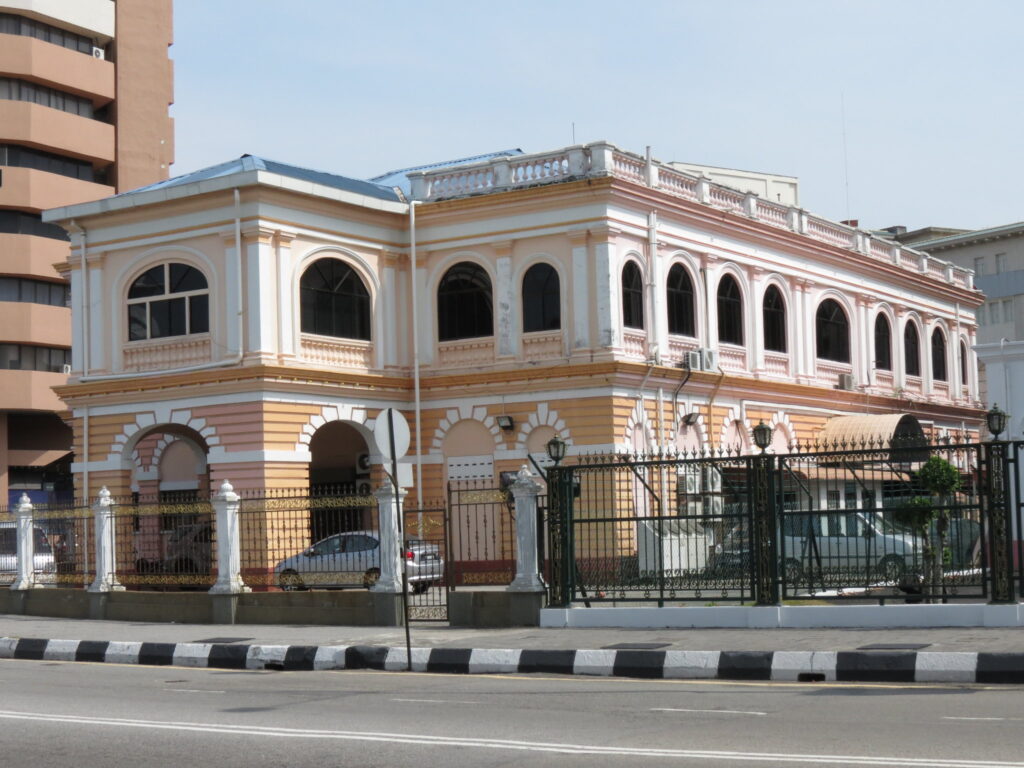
x,y
873,430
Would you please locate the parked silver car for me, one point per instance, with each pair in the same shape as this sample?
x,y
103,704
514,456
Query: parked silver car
x,y
353,559
43,562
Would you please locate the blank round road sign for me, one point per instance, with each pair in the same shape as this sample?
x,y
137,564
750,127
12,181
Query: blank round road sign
x,y
382,438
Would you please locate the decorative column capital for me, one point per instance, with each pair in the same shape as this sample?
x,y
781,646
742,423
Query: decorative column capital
x,y
502,248
577,237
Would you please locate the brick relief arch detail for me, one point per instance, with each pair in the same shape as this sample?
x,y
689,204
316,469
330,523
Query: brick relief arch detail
x,y
123,448
781,419
638,419
351,414
464,412
543,416
731,417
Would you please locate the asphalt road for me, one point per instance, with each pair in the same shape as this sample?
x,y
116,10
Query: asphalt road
x,y
57,714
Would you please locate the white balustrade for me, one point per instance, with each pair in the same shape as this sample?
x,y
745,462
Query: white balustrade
x,y
167,354
678,346
733,358
829,371
336,353
884,380
634,343
776,364
542,346
676,183
729,199
913,385
772,213
466,352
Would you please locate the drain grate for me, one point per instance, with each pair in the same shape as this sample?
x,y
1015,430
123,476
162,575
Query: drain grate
x,y
894,647
635,646
222,640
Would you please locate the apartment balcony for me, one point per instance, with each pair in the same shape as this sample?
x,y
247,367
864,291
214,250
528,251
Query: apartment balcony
x,y
28,256
30,390
166,354
57,67
332,352
39,324
50,129
25,188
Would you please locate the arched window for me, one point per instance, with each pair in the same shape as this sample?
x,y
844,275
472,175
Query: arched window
x,y
632,296
680,302
883,343
168,300
963,364
833,332
938,355
774,311
730,312
911,350
464,306
334,301
542,308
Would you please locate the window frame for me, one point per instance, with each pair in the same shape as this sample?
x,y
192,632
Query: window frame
x,y
940,368
882,317
454,319
730,311
632,296
773,320
350,311
832,333
542,307
910,331
192,300
681,302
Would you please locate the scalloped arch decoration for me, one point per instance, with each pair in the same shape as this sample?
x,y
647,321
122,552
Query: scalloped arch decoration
x,y
123,447
351,414
637,420
464,412
543,416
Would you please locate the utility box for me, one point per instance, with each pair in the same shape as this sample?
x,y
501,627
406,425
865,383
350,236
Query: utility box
x,y
671,547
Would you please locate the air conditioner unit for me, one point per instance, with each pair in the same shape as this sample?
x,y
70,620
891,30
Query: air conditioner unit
x,y
66,369
98,53
689,479
693,360
363,464
846,381
710,359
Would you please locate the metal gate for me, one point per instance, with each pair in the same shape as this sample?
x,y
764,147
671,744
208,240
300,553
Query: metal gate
x,y
425,535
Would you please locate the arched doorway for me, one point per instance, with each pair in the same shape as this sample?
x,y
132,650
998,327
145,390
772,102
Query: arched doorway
x,y
339,477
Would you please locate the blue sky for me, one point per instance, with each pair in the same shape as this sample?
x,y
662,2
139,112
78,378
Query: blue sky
x,y
931,90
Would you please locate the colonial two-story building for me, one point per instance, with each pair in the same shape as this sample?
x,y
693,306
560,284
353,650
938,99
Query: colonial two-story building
x,y
250,320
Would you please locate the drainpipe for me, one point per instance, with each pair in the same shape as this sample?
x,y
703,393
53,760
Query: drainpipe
x,y
238,259
80,231
416,362
707,309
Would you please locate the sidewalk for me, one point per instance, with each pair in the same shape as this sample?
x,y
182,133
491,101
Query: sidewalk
x,y
990,655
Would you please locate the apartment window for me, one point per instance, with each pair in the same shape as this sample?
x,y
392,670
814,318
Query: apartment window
x,y
26,357
15,156
995,316
34,291
19,223
963,364
1000,263
774,315
938,355
1007,310
911,350
979,266
11,24
334,301
982,314
681,308
883,343
542,299
730,311
168,300
13,89
632,296
832,330
464,303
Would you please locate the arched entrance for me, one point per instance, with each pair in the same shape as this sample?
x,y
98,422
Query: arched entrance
x,y
339,469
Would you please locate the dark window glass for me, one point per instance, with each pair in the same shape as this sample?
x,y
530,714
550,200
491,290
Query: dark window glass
x,y
730,312
159,318
911,350
19,223
23,289
680,302
26,357
938,355
21,90
883,344
542,308
774,320
833,332
632,296
12,24
963,363
334,301
464,308
16,156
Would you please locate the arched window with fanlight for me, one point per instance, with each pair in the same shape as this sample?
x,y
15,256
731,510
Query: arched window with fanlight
x,y
939,355
681,311
465,308
832,331
774,317
730,311
169,299
632,296
883,343
542,307
963,364
334,300
911,350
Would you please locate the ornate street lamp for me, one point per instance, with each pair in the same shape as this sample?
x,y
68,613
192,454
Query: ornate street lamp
x,y
762,436
996,419
556,449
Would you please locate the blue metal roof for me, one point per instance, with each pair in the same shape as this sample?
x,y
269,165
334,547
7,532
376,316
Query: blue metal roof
x,y
253,163
400,178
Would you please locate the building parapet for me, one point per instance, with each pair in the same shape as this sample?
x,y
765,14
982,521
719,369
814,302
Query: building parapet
x,y
603,159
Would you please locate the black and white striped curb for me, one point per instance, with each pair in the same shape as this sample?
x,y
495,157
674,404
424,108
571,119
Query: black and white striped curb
x,y
808,666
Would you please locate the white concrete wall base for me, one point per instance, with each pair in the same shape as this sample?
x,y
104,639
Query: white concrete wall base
x,y
790,617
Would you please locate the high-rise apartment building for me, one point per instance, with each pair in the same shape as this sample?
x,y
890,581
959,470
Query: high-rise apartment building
x,y
84,92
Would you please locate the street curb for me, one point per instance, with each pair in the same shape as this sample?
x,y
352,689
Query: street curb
x,y
800,666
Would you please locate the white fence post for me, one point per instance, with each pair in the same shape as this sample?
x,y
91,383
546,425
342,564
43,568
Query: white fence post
x,y
525,490
229,543
390,539
106,551
26,544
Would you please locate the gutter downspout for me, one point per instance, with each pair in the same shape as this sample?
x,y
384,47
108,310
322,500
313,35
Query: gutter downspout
x,y
235,359
79,230
416,362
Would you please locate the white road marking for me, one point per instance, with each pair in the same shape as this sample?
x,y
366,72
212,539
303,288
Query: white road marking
x,y
524,746
988,719
436,701
192,690
716,711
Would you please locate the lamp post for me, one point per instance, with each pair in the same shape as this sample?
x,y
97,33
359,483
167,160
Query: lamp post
x,y
996,421
762,436
556,449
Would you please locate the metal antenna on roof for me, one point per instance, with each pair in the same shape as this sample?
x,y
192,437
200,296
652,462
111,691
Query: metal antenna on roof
x,y
846,162
573,134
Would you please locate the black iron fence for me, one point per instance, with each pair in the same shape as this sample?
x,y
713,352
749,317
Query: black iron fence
x,y
481,534
910,522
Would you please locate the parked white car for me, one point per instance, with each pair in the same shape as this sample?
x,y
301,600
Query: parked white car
x,y
353,559
43,562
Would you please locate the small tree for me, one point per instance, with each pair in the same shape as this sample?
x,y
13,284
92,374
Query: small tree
x,y
928,516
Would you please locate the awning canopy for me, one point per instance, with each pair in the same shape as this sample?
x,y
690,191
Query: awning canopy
x,y
871,431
